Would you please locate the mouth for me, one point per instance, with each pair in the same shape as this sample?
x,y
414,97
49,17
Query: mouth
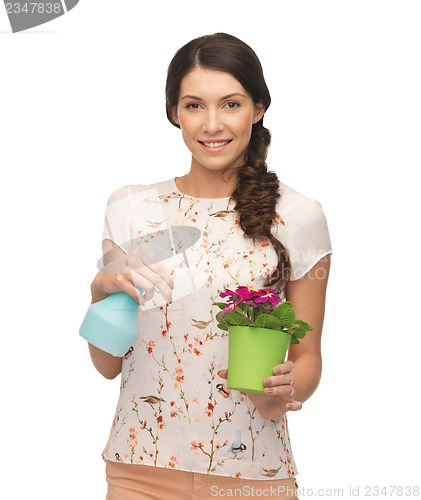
x,y
215,145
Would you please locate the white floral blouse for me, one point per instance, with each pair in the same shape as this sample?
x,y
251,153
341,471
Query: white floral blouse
x,y
170,413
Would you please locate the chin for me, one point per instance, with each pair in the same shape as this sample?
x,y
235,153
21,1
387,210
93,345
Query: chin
x,y
216,168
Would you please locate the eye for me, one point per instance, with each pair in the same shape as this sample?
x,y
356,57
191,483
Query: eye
x,y
232,105
193,105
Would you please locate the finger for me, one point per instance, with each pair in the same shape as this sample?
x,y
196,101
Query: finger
x,y
281,379
280,390
155,280
227,391
126,284
144,283
223,373
294,406
128,287
278,380
166,276
283,368
147,280
165,291
139,259
140,295
223,390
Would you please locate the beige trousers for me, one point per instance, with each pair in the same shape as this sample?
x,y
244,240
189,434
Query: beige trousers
x,y
145,482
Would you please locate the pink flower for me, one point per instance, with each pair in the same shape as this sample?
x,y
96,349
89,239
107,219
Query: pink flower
x,y
228,292
231,303
229,308
248,292
252,296
258,295
268,296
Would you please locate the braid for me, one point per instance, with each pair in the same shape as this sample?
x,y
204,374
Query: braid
x,y
256,195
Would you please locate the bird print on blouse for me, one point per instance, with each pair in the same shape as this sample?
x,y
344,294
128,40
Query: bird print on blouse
x,y
172,411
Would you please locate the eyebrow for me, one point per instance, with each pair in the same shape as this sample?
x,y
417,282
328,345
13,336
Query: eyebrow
x,y
222,98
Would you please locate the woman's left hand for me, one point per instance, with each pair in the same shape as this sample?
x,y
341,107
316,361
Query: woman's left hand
x,y
280,387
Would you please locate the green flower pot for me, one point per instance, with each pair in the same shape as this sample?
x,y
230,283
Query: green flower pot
x,y
252,355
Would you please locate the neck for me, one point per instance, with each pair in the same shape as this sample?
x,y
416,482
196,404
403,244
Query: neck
x,y
202,182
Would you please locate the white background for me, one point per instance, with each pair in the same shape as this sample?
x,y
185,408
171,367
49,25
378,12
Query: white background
x,y
82,112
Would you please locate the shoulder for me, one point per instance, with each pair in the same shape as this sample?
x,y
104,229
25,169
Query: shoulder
x,y
119,194
131,191
302,227
300,219
294,201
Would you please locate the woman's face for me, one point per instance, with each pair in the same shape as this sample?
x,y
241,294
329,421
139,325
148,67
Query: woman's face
x,y
215,115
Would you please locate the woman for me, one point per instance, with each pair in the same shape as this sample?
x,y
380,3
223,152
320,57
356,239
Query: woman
x,y
178,431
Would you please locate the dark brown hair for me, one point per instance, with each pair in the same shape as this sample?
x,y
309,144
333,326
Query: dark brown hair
x,y
257,189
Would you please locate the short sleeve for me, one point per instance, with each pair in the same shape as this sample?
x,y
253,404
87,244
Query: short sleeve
x,y
307,235
117,220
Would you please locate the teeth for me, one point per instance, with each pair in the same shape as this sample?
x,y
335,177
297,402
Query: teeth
x,y
215,144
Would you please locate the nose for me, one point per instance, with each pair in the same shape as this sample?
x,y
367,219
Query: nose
x,y
212,122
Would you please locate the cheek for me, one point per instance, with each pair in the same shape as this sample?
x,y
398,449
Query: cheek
x,y
243,135
188,124
243,126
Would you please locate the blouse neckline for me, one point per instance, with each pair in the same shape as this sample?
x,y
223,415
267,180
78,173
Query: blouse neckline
x,y
174,185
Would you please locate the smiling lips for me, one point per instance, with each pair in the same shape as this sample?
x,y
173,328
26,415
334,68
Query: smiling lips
x,y
214,146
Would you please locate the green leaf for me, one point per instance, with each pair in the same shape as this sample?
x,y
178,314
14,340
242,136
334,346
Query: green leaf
x,y
294,340
245,310
235,319
260,310
267,321
306,326
285,313
223,326
243,307
221,305
221,320
298,332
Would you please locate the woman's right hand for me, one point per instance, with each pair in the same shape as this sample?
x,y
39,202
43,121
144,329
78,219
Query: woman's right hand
x,y
124,272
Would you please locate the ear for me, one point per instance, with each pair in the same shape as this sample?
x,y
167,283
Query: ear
x,y
259,111
174,115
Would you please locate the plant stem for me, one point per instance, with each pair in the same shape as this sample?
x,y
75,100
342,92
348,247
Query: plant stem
x,y
241,312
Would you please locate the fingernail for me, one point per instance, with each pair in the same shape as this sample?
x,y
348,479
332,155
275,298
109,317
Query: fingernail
x,y
277,371
269,391
267,381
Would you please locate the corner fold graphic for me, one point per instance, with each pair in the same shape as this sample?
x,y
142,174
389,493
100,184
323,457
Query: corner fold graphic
x,y
24,15
70,4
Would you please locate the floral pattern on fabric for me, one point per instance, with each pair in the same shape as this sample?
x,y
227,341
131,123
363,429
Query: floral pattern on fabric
x,y
170,413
